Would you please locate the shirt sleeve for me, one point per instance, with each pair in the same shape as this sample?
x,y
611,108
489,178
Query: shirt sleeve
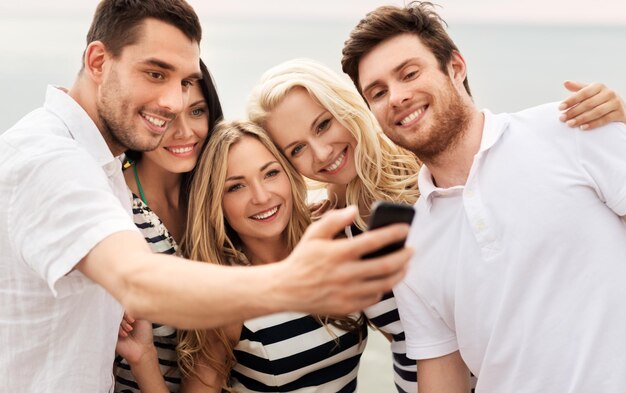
x,y
602,154
62,206
427,334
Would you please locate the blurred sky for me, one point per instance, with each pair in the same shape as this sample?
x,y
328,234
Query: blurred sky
x,y
500,11
522,46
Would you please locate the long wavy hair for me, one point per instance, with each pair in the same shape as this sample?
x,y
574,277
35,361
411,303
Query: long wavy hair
x,y
209,237
384,171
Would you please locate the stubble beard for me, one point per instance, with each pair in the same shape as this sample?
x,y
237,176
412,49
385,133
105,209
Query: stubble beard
x,y
116,127
447,128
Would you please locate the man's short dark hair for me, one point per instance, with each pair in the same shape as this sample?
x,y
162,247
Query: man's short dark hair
x,y
117,23
386,22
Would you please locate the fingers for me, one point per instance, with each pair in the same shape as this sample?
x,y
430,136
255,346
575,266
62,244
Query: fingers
x,y
126,326
372,284
591,109
381,268
609,117
372,240
128,318
330,224
574,86
592,106
583,93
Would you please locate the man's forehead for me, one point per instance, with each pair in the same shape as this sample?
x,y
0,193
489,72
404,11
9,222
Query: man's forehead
x,y
390,56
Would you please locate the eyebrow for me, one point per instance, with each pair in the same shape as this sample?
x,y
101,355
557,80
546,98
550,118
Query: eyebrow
x,y
264,167
169,67
394,70
200,101
312,126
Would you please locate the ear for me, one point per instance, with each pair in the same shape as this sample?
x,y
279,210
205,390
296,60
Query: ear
x,y
96,57
457,68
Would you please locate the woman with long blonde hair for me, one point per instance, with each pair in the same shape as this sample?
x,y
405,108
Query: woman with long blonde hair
x,y
363,166
322,125
249,208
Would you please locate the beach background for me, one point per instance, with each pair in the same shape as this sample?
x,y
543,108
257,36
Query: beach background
x,y
518,54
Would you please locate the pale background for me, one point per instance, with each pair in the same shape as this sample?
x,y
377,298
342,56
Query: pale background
x,y
518,54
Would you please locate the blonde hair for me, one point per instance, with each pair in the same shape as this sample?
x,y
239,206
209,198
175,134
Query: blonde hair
x,y
384,171
209,238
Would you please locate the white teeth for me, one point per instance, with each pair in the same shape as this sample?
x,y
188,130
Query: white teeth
x,y
155,121
337,162
263,216
180,150
412,116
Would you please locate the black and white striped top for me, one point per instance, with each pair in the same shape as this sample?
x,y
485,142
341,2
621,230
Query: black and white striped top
x,y
160,241
385,317
292,352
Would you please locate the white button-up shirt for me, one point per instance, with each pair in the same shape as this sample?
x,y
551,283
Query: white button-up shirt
x,y
523,269
61,193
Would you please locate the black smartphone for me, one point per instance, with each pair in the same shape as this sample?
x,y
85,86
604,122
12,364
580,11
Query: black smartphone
x,y
387,213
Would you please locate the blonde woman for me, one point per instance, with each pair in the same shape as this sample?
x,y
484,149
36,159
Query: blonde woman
x,y
250,208
320,122
322,125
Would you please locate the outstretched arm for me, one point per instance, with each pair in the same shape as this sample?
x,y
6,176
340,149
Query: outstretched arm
x,y
592,105
321,276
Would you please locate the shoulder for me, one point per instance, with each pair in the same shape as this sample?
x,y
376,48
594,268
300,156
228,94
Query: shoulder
x,y
40,136
547,114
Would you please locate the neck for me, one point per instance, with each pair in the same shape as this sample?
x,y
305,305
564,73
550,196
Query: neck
x,y
337,194
452,166
264,251
84,93
161,188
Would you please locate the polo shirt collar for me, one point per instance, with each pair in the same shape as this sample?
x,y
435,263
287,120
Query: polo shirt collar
x,y
80,126
493,128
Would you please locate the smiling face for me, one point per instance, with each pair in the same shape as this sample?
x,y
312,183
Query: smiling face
x,y
257,200
318,146
180,147
146,86
418,106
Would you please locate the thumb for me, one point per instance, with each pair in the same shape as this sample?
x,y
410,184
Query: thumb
x,y
574,86
331,223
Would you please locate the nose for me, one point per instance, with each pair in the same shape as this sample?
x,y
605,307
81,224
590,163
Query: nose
x,y
260,193
172,98
181,127
321,151
398,95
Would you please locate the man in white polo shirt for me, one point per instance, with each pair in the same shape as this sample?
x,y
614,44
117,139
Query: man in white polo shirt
x,y
520,237
71,258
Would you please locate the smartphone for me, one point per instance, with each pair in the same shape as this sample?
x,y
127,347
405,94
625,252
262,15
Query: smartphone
x,y
387,213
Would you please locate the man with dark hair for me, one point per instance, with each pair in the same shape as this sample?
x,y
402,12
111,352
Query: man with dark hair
x,y
72,260
509,282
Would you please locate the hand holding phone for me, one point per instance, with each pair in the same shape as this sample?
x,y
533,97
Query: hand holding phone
x,y
387,213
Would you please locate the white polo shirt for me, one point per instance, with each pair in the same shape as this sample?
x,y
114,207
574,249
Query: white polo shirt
x,y
61,193
523,269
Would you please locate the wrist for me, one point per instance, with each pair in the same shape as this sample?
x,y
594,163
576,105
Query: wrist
x,y
148,358
278,288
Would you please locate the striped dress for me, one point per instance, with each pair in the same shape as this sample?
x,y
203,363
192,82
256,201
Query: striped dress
x,y
292,352
160,241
